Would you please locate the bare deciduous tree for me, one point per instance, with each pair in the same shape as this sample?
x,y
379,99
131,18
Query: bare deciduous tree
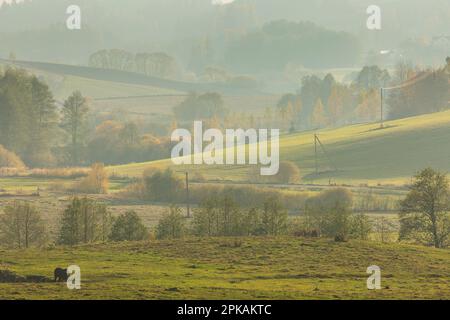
x,y
21,226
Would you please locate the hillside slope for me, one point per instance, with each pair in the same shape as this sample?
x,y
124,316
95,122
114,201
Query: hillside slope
x,y
132,78
362,153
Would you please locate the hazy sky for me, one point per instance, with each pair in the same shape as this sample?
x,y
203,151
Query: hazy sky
x,y
214,2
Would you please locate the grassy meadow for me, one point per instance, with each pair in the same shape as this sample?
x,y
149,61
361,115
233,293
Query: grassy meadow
x,y
227,268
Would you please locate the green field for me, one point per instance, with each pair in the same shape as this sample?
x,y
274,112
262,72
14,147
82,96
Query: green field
x,y
103,93
247,268
106,89
362,153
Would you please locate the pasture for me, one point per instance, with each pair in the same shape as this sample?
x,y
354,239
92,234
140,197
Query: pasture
x,y
227,268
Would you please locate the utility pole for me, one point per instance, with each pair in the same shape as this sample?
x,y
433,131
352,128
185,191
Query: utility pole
x,y
187,196
315,153
317,143
27,222
407,83
381,108
85,223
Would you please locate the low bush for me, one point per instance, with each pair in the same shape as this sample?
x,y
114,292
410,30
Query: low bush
x,y
96,182
128,227
162,186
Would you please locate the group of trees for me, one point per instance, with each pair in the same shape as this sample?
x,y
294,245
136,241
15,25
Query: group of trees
x,y
115,142
201,107
35,133
372,77
220,216
421,92
28,117
330,214
157,64
278,43
83,221
326,102
30,121
111,141
87,221
424,218
21,226
242,212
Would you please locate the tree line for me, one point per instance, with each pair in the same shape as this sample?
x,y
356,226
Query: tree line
x,y
166,186
157,64
324,101
83,221
424,218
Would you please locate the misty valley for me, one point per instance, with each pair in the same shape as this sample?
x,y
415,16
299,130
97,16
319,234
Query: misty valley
x,y
178,151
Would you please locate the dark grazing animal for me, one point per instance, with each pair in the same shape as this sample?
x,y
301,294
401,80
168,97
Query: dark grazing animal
x,y
61,275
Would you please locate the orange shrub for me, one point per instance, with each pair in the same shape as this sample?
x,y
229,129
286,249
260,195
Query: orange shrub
x,y
96,182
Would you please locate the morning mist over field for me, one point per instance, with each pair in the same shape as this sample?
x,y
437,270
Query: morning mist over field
x,y
230,150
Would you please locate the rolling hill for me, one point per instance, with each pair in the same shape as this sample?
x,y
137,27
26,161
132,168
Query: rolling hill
x,y
362,153
132,78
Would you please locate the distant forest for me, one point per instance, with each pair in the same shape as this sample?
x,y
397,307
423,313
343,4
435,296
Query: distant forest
x,y
214,33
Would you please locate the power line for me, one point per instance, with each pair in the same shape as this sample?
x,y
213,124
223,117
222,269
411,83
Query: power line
x,y
405,84
187,196
318,142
